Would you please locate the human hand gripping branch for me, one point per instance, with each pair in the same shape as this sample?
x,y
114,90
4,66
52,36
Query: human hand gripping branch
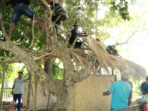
x,y
83,34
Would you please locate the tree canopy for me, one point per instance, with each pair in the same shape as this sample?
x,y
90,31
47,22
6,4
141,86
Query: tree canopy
x,y
48,57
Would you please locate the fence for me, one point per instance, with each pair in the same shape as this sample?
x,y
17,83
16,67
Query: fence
x,y
7,96
136,107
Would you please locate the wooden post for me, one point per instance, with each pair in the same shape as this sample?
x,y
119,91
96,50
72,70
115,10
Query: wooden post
x,y
2,88
35,96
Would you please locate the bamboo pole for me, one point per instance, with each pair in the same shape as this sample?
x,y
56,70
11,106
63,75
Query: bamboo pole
x,y
2,88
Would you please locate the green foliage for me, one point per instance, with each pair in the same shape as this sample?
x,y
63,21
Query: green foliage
x,y
88,15
57,71
121,8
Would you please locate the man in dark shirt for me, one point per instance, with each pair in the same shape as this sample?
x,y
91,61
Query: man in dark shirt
x,y
144,87
74,34
21,8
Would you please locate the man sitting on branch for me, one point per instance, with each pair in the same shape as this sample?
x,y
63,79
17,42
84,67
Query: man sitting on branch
x,y
75,34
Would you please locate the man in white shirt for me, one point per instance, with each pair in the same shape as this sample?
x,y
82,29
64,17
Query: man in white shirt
x,y
18,88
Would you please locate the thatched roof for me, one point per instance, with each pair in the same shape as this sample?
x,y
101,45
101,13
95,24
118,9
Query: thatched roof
x,y
80,57
106,60
102,55
136,69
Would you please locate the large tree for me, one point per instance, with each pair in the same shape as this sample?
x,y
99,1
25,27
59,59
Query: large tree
x,y
34,47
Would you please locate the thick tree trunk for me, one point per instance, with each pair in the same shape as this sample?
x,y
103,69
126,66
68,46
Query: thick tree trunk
x,y
2,87
48,68
63,99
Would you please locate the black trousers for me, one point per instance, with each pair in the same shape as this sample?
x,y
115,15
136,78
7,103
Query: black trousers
x,y
18,97
78,44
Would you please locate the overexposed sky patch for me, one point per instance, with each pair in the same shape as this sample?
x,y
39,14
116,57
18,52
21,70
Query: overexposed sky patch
x,y
137,48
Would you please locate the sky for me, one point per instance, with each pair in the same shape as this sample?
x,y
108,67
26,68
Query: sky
x,y
138,47
138,44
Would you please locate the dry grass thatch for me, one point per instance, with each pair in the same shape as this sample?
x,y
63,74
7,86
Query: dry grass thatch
x,y
80,57
102,55
106,60
135,69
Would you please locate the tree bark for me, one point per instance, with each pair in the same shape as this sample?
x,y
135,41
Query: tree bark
x,y
48,68
63,99
35,96
2,88
29,61
29,91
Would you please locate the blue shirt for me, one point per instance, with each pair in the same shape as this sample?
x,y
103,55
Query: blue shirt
x,y
74,34
120,94
19,85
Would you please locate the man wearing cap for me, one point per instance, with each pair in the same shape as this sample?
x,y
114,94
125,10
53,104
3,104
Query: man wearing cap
x,y
17,89
74,34
120,91
144,87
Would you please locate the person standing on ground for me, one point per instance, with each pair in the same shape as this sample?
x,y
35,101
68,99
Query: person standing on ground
x,y
144,87
17,89
144,91
120,91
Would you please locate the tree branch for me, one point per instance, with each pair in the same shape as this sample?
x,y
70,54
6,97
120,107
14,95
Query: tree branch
x,y
8,61
26,58
42,57
127,39
2,26
45,4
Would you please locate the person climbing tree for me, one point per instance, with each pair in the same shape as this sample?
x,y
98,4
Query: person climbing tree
x,y
74,34
59,13
111,50
21,7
